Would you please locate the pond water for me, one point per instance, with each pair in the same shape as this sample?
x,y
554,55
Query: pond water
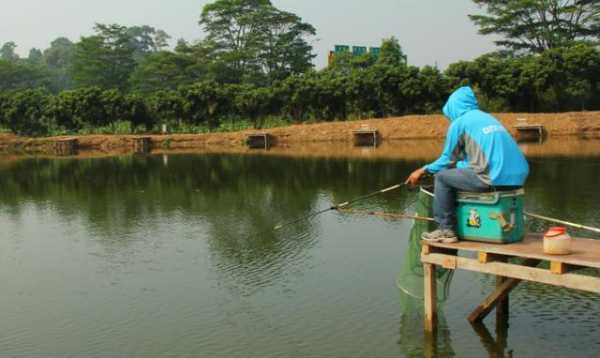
x,y
174,255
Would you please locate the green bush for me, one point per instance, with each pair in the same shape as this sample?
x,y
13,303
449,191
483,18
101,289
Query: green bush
x,y
26,113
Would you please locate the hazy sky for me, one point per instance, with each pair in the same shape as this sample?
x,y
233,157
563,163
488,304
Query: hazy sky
x,y
430,31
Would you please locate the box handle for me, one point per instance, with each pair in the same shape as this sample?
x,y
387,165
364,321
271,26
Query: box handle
x,y
506,227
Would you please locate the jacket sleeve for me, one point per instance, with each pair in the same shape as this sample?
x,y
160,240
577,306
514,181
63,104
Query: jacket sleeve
x,y
452,150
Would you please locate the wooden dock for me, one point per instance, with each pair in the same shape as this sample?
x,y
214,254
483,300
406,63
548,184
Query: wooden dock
x,y
366,137
511,264
67,146
530,132
142,145
259,141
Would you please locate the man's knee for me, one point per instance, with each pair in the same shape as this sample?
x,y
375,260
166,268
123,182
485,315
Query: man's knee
x,y
440,177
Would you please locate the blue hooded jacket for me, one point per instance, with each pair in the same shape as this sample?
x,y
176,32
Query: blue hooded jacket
x,y
477,141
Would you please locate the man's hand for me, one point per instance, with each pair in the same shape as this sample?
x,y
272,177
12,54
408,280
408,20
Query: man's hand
x,y
414,178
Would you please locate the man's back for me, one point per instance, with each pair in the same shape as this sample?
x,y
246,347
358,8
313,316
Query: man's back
x,y
490,150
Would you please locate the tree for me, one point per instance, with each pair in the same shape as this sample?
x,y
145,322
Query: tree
x,y
253,102
391,53
7,52
166,70
346,62
283,38
58,58
35,57
105,59
538,25
255,40
18,76
203,102
146,40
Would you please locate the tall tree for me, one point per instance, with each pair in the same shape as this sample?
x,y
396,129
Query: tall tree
x,y
146,40
252,39
283,38
105,59
391,53
58,58
7,52
35,57
538,25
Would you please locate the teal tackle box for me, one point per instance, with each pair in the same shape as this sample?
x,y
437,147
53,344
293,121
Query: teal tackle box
x,y
495,217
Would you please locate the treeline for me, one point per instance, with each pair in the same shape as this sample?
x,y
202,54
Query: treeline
x,y
254,68
557,80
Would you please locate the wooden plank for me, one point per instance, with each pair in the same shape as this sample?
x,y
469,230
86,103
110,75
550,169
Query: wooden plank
x,y
568,280
427,249
585,252
430,295
449,263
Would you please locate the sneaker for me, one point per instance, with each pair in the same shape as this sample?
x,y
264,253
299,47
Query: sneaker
x,y
443,236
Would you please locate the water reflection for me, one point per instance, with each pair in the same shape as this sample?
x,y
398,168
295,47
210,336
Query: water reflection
x,y
238,199
180,247
495,347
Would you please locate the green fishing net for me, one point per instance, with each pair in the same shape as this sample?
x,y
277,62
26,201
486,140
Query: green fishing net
x,y
410,278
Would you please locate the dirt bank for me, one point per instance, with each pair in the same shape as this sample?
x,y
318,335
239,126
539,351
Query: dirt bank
x,y
574,124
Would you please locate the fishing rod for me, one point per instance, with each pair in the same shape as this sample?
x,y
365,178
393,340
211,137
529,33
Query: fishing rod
x,y
339,206
562,222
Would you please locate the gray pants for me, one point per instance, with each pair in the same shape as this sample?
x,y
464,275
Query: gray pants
x,y
447,183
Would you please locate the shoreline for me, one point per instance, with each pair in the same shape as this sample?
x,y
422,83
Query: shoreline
x,y
571,125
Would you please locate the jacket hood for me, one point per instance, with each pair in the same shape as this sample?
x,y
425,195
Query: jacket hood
x,y
460,102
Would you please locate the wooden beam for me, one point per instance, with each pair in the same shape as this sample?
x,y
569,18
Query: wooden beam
x,y
492,300
430,294
568,280
499,298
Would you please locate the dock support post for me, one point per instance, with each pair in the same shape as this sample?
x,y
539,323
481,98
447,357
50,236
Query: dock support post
x,y
430,294
502,311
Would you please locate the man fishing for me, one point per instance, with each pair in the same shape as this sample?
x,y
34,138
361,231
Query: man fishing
x,y
479,155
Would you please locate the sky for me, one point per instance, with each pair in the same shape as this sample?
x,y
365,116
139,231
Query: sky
x,y
431,32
